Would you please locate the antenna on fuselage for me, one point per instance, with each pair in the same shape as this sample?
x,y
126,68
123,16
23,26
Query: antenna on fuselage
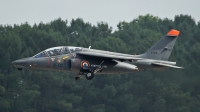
x,y
89,47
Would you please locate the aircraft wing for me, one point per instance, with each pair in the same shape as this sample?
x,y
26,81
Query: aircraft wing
x,y
109,56
166,65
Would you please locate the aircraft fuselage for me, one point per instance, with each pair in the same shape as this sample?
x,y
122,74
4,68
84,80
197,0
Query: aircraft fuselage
x,y
86,61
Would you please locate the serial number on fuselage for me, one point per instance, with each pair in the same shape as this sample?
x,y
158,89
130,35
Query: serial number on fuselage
x,y
99,66
58,65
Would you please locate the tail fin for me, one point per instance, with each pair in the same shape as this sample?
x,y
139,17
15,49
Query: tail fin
x,y
163,48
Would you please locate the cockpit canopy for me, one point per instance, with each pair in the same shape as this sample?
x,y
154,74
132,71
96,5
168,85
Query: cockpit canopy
x,y
54,51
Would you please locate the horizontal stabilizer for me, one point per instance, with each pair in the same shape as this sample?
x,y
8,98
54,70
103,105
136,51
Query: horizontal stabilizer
x,y
167,65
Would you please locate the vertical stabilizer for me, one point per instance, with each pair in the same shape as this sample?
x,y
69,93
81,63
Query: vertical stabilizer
x,y
163,48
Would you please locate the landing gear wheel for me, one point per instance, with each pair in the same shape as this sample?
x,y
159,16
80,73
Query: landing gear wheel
x,y
77,78
89,75
19,69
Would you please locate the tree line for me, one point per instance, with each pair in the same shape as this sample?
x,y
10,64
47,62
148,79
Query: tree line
x,y
146,91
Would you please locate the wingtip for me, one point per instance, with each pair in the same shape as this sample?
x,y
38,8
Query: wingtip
x,y
173,32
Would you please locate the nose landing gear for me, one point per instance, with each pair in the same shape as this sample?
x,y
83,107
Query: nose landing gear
x,y
20,69
77,78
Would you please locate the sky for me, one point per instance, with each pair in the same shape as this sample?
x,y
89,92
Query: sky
x,y
93,11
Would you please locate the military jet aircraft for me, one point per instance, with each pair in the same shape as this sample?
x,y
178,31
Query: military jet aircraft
x,y
89,62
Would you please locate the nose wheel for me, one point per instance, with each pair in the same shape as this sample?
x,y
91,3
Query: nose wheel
x,y
77,78
20,69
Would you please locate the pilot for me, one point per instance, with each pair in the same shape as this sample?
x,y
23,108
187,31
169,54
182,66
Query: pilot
x,y
56,52
66,51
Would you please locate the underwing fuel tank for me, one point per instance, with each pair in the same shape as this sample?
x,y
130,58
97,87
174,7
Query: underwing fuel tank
x,y
120,67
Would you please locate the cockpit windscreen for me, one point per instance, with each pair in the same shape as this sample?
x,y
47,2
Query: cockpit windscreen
x,y
58,51
54,51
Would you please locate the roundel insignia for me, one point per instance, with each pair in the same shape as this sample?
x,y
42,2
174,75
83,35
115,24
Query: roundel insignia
x,y
85,63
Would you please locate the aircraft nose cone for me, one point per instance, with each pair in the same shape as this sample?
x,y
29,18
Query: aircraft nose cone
x,y
21,62
14,62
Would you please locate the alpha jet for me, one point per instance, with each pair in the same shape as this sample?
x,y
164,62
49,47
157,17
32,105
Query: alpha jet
x,y
89,62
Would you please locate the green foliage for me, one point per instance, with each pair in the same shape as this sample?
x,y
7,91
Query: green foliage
x,y
145,91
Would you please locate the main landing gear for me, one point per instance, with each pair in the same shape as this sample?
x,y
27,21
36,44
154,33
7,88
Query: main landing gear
x,y
88,75
89,72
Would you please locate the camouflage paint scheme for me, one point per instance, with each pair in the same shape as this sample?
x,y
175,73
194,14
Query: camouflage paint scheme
x,y
88,62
